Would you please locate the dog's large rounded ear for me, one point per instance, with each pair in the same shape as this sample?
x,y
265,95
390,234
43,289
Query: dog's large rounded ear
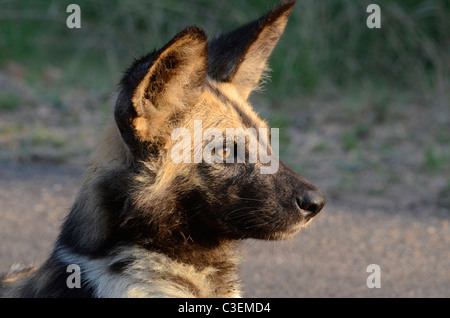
x,y
160,87
240,57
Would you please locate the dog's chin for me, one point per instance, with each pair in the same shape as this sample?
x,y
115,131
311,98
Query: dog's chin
x,y
280,234
286,233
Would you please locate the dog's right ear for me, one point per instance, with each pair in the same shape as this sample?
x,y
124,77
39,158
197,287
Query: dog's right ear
x,y
160,87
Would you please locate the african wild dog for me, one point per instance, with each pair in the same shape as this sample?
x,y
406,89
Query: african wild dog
x,y
145,226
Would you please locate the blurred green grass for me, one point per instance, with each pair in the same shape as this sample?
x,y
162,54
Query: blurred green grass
x,y
327,55
326,42
362,110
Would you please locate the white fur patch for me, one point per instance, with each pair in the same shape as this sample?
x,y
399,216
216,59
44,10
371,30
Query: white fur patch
x,y
150,274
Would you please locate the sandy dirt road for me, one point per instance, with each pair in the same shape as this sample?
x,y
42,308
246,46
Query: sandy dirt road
x,y
327,259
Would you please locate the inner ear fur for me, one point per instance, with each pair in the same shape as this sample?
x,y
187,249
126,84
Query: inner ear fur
x,y
240,57
161,86
178,73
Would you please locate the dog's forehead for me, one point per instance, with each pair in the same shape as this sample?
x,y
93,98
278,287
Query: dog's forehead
x,y
235,111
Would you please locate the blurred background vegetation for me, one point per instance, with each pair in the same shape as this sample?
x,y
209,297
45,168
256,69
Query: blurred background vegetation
x,y
338,89
326,42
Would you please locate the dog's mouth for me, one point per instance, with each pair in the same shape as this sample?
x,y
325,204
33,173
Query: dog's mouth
x,y
287,233
288,229
269,223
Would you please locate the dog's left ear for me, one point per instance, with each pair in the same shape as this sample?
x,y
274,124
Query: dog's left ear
x,y
240,57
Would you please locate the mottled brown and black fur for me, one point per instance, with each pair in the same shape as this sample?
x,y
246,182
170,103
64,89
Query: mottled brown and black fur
x,y
145,226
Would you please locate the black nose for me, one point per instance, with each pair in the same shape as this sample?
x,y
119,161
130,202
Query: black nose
x,y
310,203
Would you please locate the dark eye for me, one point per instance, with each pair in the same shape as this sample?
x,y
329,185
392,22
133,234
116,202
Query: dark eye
x,y
224,153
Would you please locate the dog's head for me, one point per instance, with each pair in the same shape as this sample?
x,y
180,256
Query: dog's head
x,y
207,162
